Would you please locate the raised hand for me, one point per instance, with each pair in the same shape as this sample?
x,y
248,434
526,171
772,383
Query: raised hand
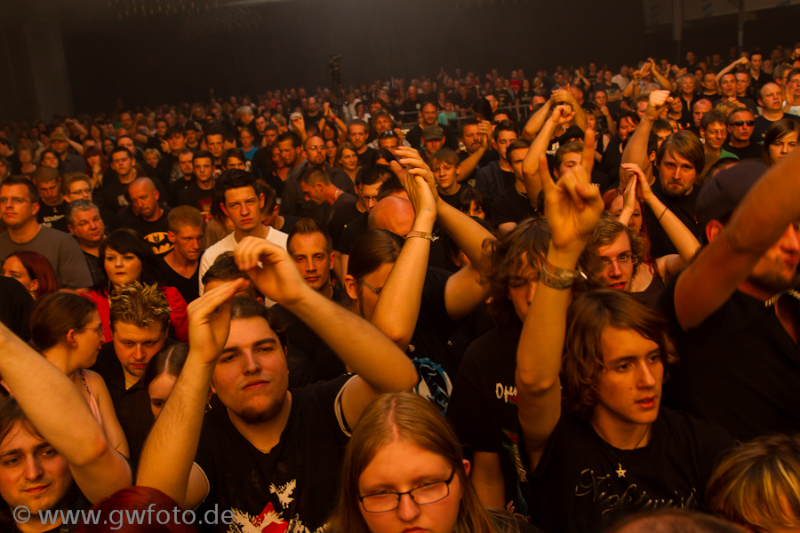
x,y
573,206
643,189
210,320
270,269
417,179
562,114
657,102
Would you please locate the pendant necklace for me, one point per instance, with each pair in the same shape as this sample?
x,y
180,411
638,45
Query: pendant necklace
x,y
620,471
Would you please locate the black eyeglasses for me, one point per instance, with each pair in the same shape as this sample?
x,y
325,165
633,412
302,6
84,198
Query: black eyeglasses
x,y
389,501
741,123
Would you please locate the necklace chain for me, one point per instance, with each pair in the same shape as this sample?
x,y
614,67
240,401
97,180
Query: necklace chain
x,y
620,471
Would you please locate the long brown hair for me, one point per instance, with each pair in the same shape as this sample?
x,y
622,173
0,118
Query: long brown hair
x,y
408,417
757,485
588,316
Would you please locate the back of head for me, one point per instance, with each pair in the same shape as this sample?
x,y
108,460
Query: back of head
x,y
122,509
373,249
757,484
392,213
673,521
54,315
44,175
406,417
169,360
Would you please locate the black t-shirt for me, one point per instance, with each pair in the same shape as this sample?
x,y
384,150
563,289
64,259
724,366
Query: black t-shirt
x,y
115,195
342,214
198,198
451,199
488,157
297,481
739,369
684,207
483,408
351,232
751,151
53,216
368,157
491,180
188,287
511,206
763,124
582,484
153,232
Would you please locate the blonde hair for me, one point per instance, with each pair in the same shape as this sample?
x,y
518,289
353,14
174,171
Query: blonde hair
x,y
758,484
139,305
408,417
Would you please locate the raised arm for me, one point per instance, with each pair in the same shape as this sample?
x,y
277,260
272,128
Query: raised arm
x,y
562,115
683,239
60,414
718,270
468,165
536,121
664,82
381,366
565,97
167,459
743,61
636,150
573,208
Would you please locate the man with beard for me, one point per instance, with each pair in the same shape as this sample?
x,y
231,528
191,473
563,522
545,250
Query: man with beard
x,y
429,114
476,154
679,161
733,312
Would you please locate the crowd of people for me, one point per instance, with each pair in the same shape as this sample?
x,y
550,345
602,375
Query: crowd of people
x,y
447,305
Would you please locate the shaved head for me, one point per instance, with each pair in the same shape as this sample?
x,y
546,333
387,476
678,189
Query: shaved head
x,y
394,214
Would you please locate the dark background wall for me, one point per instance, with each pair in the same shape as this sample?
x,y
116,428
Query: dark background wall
x,y
158,59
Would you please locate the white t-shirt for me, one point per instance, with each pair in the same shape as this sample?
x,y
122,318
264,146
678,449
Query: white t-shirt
x,y
227,245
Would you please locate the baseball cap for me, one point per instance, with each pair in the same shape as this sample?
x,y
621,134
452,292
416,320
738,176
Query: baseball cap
x,y
720,195
433,133
58,136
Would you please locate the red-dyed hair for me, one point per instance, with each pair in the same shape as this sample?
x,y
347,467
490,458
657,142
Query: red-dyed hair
x,y
126,502
38,268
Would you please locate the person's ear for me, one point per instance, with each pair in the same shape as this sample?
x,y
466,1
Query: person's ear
x,y
260,201
350,287
222,207
713,229
70,339
332,260
155,194
467,466
35,285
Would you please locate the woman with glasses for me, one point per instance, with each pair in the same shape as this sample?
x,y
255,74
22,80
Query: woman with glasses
x,y
617,255
68,332
404,470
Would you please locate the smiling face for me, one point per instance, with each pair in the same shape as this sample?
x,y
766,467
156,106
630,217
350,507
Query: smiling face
x,y
629,387
401,466
251,377
32,473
